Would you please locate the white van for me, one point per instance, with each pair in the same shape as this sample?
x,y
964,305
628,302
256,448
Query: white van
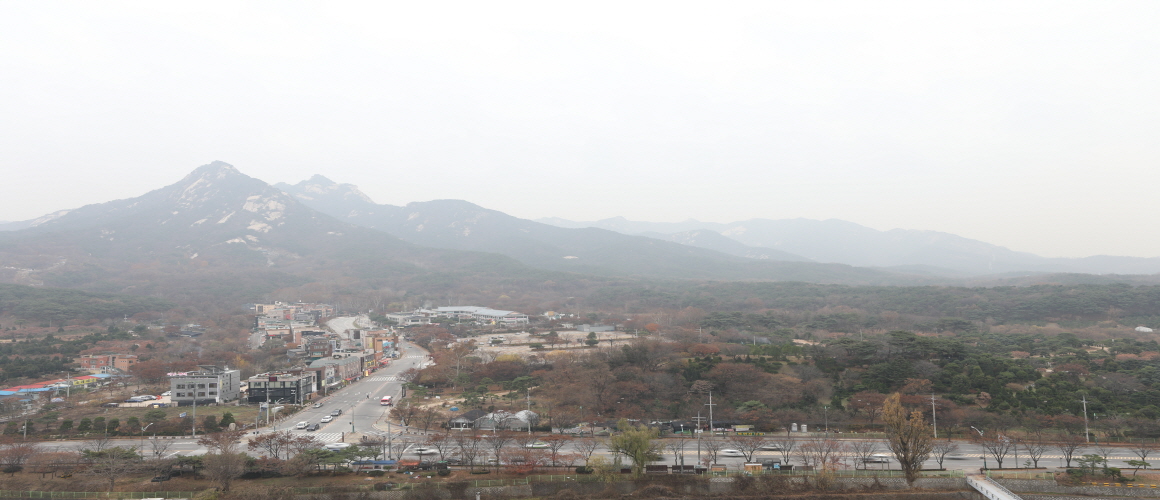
x,y
301,425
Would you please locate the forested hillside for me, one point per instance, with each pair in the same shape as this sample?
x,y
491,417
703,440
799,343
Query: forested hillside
x,y
57,305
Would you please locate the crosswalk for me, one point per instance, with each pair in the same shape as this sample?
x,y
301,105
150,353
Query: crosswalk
x,y
414,356
325,437
382,378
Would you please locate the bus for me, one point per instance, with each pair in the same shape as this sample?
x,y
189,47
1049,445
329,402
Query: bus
x,y
386,401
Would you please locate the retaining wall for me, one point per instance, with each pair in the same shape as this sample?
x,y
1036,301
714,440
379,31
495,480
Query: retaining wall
x,y
1033,486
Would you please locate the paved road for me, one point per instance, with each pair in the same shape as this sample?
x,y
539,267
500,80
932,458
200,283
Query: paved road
x,y
359,403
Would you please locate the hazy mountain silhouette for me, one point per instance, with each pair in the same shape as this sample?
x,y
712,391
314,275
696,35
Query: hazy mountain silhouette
x,y
904,250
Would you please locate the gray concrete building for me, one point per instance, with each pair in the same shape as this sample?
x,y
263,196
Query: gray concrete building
x,y
209,385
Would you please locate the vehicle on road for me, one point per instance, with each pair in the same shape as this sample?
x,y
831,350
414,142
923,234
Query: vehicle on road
x,y
386,401
957,456
336,413
424,451
327,419
731,453
311,427
301,425
336,446
318,405
537,445
877,458
770,447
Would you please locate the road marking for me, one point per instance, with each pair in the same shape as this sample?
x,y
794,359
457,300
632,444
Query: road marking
x,y
325,437
382,379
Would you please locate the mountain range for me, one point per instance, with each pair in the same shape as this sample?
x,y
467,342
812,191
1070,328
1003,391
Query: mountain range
x,y
218,234
839,241
460,225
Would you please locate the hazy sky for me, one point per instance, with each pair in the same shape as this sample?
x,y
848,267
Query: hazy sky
x,y
1033,125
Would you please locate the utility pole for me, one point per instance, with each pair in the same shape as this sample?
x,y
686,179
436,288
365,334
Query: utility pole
x,y
193,426
933,416
711,405
826,409
529,396
698,420
1085,421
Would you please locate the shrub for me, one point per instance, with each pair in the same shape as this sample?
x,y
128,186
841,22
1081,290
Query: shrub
x,y
657,490
444,472
584,469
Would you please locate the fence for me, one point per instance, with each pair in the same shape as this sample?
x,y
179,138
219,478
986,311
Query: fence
x,y
1021,475
97,494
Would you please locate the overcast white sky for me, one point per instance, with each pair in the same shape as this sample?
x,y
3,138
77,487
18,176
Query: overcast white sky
x,y
1032,125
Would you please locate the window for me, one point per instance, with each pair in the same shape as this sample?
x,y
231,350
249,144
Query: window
x,y
213,393
201,386
181,394
181,386
212,386
201,394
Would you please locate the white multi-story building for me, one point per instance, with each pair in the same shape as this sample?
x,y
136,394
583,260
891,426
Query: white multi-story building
x,y
482,314
209,385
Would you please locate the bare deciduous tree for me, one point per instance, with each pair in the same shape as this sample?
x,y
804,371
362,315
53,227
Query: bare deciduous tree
x,y
747,444
1035,446
586,447
711,447
1068,445
159,448
223,468
469,447
996,445
861,450
941,449
785,445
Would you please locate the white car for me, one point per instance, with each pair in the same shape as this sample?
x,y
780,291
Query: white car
x,y
537,445
731,453
327,419
167,393
877,458
337,446
301,425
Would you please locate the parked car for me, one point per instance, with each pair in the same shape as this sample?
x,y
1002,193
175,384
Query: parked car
x,y
327,419
111,405
167,393
731,453
301,425
311,427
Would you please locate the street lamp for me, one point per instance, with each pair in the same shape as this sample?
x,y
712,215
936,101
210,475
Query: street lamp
x,y
142,435
981,444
